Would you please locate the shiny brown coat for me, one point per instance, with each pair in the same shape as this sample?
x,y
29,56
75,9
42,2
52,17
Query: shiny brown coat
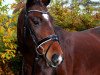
x,y
81,52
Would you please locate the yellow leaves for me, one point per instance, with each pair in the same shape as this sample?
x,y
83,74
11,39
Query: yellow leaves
x,y
8,38
2,19
2,29
14,19
12,46
10,31
7,24
7,55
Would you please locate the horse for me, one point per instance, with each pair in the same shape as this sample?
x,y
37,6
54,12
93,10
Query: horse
x,y
37,41
81,52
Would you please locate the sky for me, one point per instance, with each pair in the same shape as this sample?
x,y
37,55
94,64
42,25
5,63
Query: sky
x,y
8,1
96,0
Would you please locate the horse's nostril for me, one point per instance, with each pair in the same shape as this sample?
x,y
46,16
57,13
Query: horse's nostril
x,y
55,59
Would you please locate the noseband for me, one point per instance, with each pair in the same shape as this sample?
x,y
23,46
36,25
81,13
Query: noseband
x,y
38,44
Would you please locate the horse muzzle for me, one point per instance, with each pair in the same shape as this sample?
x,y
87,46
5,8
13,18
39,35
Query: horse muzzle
x,y
56,60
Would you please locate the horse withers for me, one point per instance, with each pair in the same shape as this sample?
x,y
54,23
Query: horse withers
x,y
37,41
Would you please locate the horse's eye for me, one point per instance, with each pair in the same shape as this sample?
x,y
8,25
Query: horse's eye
x,y
36,21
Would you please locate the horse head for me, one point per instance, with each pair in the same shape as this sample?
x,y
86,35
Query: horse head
x,y
39,23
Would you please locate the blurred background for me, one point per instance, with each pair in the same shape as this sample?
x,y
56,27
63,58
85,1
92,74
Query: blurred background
x,y
71,15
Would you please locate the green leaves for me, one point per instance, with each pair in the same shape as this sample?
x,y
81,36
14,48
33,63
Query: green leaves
x,y
74,19
0,2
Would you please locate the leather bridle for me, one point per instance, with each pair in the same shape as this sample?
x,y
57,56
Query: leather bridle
x,y
38,44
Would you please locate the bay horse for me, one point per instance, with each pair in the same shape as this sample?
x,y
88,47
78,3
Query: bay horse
x,y
81,50
37,40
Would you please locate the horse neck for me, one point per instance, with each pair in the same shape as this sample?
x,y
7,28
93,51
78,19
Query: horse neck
x,y
41,68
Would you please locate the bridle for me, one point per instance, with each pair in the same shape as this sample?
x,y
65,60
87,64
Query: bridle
x,y
38,44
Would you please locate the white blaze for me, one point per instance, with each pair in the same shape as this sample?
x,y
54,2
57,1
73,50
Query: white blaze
x,y
45,16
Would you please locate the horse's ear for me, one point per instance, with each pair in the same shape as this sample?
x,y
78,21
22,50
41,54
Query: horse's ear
x,y
45,2
29,3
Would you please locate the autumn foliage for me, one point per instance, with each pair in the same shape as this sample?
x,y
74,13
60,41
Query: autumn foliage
x,y
74,19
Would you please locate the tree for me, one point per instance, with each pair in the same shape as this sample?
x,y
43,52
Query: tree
x,y
73,18
7,38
